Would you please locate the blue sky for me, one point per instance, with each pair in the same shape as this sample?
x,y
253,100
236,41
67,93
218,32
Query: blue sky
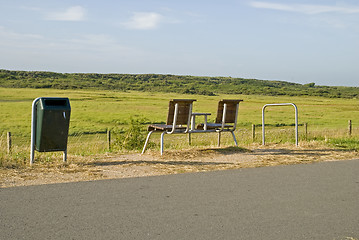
x,y
296,41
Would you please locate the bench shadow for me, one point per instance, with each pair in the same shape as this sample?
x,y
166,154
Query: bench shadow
x,y
225,150
173,163
180,154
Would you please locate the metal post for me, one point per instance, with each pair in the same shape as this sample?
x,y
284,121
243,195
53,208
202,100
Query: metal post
x,y
296,124
306,130
162,135
64,157
296,120
350,128
205,123
33,129
263,127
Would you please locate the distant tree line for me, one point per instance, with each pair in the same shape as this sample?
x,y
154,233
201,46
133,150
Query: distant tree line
x,y
169,83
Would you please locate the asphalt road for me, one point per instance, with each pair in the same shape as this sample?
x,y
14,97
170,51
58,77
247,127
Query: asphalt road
x,y
311,201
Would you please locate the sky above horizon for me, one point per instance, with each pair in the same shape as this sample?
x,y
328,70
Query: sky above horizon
x,y
297,41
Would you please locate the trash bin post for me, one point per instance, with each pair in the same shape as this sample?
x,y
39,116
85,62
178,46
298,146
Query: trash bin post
x,y
64,157
33,129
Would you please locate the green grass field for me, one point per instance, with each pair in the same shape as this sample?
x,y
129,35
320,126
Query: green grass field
x,y
96,111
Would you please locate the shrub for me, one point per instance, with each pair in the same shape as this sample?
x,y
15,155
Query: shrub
x,y
134,137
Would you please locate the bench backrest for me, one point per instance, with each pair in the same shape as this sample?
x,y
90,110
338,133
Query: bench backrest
x,y
184,111
231,110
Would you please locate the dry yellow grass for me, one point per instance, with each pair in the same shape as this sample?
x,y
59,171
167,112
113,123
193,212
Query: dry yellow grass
x,y
110,166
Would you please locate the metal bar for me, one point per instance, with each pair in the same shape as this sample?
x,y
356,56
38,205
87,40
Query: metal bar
x,y
174,119
193,122
224,115
33,129
296,124
147,139
202,131
205,123
234,138
162,134
263,126
296,120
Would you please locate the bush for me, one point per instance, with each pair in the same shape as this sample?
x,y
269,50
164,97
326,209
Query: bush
x,y
134,137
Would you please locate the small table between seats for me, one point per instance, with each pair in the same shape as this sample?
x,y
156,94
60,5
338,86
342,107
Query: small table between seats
x,y
193,120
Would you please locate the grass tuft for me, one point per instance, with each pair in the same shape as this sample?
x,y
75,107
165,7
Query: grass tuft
x,y
345,143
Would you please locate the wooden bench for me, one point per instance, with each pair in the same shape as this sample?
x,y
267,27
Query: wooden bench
x,y
226,119
178,120
181,120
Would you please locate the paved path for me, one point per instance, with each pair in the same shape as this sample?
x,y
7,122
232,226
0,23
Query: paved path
x,y
314,201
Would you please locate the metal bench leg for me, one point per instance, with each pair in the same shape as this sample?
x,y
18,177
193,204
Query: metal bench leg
x,y
162,142
189,139
147,139
234,138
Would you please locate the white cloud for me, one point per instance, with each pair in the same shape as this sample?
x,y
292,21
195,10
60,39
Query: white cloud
x,y
305,8
94,42
37,43
88,52
75,13
144,20
11,36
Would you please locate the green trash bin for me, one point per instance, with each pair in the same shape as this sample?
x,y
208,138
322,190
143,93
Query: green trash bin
x,y
52,124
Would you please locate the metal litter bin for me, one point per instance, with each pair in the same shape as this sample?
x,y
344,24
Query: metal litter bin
x,y
52,124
